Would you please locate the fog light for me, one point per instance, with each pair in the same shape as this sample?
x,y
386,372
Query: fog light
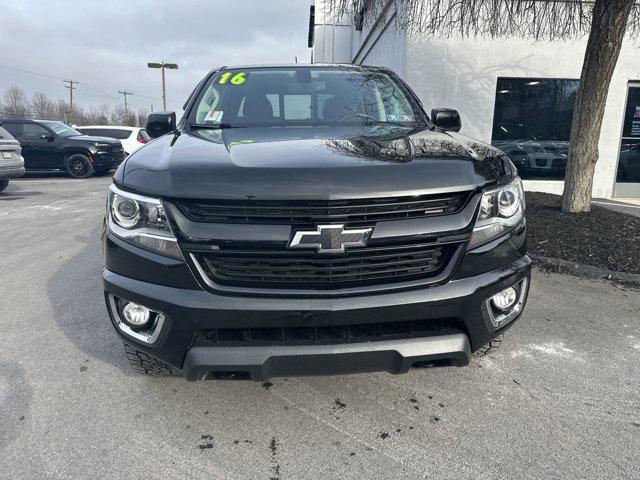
x,y
136,315
505,299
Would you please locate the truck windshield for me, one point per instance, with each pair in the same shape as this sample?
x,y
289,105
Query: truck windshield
x,y
283,96
61,129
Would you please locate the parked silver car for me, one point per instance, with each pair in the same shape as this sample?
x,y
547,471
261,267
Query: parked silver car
x,y
11,161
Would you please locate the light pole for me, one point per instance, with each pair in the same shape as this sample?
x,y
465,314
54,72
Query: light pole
x,y
162,66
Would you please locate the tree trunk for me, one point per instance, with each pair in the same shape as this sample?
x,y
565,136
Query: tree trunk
x,y
608,27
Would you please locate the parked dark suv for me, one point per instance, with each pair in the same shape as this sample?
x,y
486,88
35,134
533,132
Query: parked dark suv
x,y
311,220
48,145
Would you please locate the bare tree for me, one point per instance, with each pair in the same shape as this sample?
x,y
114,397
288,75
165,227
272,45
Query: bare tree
x,y
42,106
99,115
15,103
610,18
121,117
61,111
605,21
143,113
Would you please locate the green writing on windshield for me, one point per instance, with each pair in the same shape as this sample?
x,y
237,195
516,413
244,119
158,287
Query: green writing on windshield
x,y
237,79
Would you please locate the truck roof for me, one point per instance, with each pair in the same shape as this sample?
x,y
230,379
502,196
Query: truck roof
x,y
307,65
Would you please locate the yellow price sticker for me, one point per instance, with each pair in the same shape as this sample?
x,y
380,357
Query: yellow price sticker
x,y
237,79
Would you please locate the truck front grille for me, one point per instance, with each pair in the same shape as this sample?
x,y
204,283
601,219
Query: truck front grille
x,y
282,268
296,212
117,153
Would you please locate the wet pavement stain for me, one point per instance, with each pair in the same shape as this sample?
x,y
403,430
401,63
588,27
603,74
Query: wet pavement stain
x,y
206,442
275,466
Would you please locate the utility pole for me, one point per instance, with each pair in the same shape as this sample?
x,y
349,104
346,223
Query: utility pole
x,y
163,65
71,89
126,110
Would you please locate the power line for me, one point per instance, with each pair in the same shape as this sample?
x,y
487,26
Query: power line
x,y
83,84
157,98
30,72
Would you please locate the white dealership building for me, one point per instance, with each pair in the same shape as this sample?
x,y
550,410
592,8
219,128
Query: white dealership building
x,y
516,93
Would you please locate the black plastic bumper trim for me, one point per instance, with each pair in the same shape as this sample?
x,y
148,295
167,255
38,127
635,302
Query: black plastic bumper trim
x,y
262,363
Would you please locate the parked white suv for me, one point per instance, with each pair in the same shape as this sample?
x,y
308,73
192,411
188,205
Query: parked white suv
x,y
535,156
132,138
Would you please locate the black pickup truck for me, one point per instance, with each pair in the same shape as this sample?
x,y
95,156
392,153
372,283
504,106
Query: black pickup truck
x,y
51,145
307,220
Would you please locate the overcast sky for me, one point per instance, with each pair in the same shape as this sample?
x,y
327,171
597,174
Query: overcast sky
x,y
105,45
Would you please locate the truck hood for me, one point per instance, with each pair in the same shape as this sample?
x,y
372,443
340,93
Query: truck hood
x,y
311,163
88,139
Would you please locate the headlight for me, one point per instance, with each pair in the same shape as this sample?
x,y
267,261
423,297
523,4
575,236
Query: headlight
x,y
501,209
141,221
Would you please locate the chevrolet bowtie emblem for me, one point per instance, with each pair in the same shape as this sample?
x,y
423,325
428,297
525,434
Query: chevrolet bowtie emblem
x,y
330,238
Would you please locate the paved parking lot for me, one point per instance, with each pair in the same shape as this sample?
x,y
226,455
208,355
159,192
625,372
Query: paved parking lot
x,y
560,399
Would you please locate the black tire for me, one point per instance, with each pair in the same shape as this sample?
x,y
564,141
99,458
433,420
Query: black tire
x,y
490,347
148,364
78,166
4,183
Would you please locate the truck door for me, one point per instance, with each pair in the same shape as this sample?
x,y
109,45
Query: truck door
x,y
39,147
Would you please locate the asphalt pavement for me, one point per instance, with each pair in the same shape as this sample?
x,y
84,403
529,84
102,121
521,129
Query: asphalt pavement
x,y
560,399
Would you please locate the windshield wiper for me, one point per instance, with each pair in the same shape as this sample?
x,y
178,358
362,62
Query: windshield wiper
x,y
375,121
213,126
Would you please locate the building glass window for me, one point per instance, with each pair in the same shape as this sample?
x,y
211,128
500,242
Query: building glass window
x,y
532,124
629,163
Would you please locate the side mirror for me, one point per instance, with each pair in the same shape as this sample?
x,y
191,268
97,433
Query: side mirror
x,y
160,123
47,136
447,119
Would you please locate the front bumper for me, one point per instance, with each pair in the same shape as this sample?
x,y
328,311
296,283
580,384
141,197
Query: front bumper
x,y
102,160
188,308
261,363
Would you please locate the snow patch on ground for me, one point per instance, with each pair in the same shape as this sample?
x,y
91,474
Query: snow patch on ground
x,y
46,207
552,349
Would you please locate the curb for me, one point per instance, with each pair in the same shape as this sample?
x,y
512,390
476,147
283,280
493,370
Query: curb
x,y
579,269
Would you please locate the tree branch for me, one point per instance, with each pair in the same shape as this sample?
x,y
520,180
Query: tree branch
x,y
540,19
